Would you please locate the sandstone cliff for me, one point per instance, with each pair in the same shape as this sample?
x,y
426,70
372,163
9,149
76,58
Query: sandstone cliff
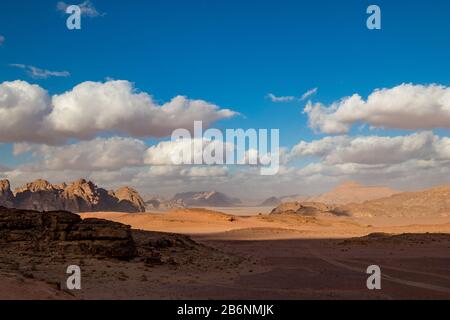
x,y
65,233
6,196
78,196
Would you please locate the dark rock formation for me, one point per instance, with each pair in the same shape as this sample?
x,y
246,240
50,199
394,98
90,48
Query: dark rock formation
x,y
6,196
65,232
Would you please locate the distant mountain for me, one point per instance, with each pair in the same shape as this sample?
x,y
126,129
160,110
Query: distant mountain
x,y
434,202
271,202
161,203
353,192
78,196
206,199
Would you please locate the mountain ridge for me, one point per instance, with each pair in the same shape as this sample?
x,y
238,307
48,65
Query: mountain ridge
x,y
78,196
206,198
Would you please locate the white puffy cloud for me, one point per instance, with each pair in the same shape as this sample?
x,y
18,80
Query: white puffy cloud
x,y
93,107
442,148
409,162
186,151
406,106
205,171
98,154
373,150
28,114
23,110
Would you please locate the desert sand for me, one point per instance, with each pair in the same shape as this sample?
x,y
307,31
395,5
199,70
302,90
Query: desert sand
x,y
295,257
17,287
259,256
216,225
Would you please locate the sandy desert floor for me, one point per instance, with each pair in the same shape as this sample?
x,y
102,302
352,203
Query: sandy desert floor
x,y
218,225
294,257
255,257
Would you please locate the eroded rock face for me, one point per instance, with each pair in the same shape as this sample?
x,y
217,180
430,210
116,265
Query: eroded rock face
x,y
78,196
65,232
6,196
85,196
308,209
129,199
39,195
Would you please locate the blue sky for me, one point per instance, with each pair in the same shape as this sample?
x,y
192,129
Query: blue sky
x,y
233,53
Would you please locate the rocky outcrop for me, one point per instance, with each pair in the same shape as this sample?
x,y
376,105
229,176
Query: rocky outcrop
x,y
39,195
64,232
78,196
6,196
206,199
159,203
85,196
308,209
129,199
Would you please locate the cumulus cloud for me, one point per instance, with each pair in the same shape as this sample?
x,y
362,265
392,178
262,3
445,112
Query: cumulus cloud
x,y
23,110
418,161
374,150
205,171
209,152
98,154
406,106
38,73
118,107
29,114
66,124
87,9
187,151
414,161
